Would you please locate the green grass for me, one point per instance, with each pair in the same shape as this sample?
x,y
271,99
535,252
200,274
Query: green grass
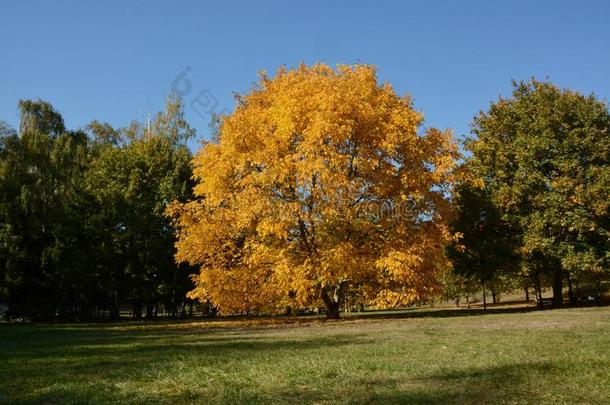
x,y
551,356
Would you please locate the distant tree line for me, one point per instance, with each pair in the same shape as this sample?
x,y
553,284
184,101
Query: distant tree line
x,y
274,213
82,226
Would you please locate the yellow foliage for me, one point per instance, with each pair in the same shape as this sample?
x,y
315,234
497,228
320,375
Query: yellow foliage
x,y
319,184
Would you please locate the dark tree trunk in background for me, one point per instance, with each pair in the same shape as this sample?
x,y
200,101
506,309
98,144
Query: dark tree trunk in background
x,y
527,294
557,288
114,305
494,297
332,311
333,302
137,311
484,297
571,291
538,290
149,311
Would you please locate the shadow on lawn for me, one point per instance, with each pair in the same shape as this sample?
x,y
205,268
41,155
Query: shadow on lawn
x,y
87,365
496,384
89,352
446,313
461,312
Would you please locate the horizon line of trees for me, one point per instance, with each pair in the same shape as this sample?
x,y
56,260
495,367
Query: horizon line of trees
x,y
85,230
82,228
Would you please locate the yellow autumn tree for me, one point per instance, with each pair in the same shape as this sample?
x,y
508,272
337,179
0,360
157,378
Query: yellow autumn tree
x,y
318,186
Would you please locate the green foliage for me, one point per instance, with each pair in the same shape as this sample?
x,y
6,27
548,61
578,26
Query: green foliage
x,y
132,184
40,117
457,286
486,247
82,224
40,170
544,158
81,221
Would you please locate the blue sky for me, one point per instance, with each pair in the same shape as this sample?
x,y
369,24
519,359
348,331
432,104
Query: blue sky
x,y
115,60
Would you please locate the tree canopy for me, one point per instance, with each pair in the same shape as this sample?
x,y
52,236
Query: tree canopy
x,y
319,185
543,157
83,228
322,189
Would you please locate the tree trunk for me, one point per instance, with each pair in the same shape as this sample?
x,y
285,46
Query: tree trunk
x,y
538,290
557,288
332,311
494,296
571,291
527,294
115,307
484,297
137,311
332,303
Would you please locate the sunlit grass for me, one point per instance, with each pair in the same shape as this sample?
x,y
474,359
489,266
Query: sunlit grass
x,y
516,357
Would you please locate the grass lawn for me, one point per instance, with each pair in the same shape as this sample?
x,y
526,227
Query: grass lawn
x,y
425,356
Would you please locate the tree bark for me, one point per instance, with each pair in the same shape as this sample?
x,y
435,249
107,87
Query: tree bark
x,y
527,294
115,307
149,311
332,311
484,297
137,311
538,290
557,288
571,291
332,303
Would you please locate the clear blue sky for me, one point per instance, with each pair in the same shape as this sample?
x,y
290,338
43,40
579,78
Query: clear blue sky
x,y
114,60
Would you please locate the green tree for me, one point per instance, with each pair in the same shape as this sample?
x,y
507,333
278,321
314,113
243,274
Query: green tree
x,y
485,251
543,155
133,178
39,172
82,225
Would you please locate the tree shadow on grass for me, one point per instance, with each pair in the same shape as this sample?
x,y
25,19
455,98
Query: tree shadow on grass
x,y
54,363
463,312
88,366
512,383
445,313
